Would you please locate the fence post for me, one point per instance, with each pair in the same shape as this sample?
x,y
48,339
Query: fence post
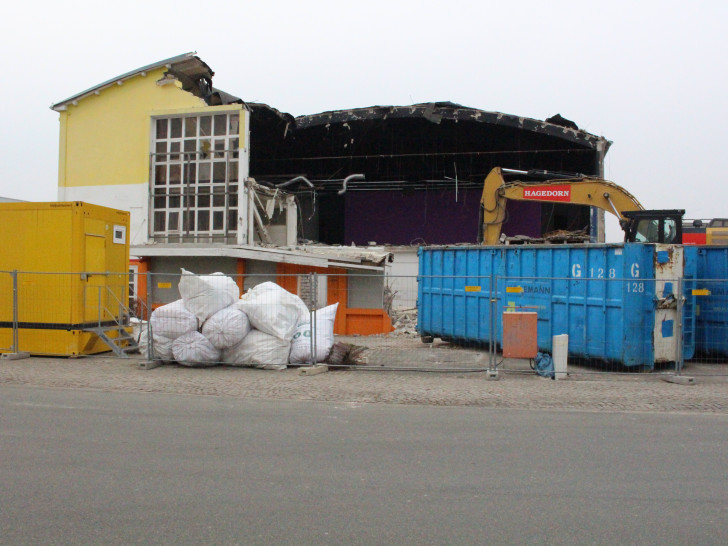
x,y
491,330
312,315
680,341
14,353
150,334
98,305
15,312
124,302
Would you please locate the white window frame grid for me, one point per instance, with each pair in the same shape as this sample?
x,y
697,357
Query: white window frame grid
x,y
194,177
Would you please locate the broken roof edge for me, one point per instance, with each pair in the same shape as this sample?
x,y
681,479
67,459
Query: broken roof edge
x,y
291,255
436,111
227,98
253,107
283,116
60,106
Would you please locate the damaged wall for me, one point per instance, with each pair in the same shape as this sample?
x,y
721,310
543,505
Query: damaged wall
x,y
419,217
105,134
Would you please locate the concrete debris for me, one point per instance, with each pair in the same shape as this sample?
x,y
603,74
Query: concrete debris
x,y
566,236
404,322
553,237
375,255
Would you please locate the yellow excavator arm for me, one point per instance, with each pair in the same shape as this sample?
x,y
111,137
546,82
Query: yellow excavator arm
x,y
594,192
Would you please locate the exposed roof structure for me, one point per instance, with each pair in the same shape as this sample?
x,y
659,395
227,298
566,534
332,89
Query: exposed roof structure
x,y
187,68
435,112
416,146
414,160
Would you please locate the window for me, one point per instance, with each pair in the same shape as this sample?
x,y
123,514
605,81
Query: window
x,y
647,231
194,186
669,231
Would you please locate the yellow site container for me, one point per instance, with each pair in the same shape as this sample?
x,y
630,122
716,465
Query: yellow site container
x,y
72,263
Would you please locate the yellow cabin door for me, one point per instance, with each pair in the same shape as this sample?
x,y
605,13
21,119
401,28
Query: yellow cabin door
x,y
96,298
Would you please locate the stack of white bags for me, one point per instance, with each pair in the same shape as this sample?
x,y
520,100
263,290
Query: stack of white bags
x,y
212,324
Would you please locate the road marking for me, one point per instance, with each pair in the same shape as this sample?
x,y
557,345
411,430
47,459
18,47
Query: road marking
x,y
54,406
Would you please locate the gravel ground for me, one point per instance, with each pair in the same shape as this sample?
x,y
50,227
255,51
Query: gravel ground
x,y
449,386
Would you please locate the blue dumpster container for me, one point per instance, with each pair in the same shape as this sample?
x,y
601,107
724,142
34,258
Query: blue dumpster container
x,y
616,302
710,287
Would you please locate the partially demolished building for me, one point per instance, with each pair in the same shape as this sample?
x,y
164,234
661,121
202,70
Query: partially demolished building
x,y
214,183
422,170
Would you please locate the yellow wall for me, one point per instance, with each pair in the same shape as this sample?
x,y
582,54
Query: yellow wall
x,y
104,139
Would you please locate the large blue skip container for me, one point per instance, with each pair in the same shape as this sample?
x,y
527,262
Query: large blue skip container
x,y
616,302
711,301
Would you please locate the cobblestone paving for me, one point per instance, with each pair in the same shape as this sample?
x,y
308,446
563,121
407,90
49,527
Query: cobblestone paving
x,y
637,392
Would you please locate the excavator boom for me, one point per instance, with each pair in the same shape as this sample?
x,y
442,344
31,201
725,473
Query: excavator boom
x,y
593,192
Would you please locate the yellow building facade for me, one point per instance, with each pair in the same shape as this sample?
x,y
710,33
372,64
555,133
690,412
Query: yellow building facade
x,y
109,150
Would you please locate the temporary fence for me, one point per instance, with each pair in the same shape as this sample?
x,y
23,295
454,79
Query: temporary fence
x,y
61,313
438,323
612,324
711,326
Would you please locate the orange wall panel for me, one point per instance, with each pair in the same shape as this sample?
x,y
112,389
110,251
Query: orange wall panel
x,y
348,321
240,279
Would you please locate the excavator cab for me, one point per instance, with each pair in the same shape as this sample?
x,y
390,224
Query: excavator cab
x,y
653,226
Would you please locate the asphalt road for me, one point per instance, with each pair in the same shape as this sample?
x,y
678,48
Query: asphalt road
x,y
90,467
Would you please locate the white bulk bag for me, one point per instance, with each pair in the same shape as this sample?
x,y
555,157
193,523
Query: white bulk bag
x,y
257,348
273,310
227,327
162,347
172,320
194,349
301,343
205,295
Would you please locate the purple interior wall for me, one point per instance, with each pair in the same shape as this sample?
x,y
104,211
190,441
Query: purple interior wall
x,y
523,218
427,217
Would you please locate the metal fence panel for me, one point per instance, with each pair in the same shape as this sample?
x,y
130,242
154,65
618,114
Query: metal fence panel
x,y
711,326
53,313
614,325
50,309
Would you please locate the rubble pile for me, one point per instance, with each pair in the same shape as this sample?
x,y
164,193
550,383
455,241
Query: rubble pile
x,y
404,322
553,237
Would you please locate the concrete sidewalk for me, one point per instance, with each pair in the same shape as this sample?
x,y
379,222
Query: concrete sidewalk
x,y
582,391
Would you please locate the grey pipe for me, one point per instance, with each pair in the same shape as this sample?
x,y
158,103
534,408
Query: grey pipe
x,y
297,179
348,179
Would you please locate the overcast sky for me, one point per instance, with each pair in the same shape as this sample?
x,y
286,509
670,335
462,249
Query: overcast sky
x,y
649,76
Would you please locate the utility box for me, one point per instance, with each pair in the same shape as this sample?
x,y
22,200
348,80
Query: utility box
x,y
69,264
520,334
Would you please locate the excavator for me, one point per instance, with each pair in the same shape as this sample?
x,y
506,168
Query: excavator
x,y
639,225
